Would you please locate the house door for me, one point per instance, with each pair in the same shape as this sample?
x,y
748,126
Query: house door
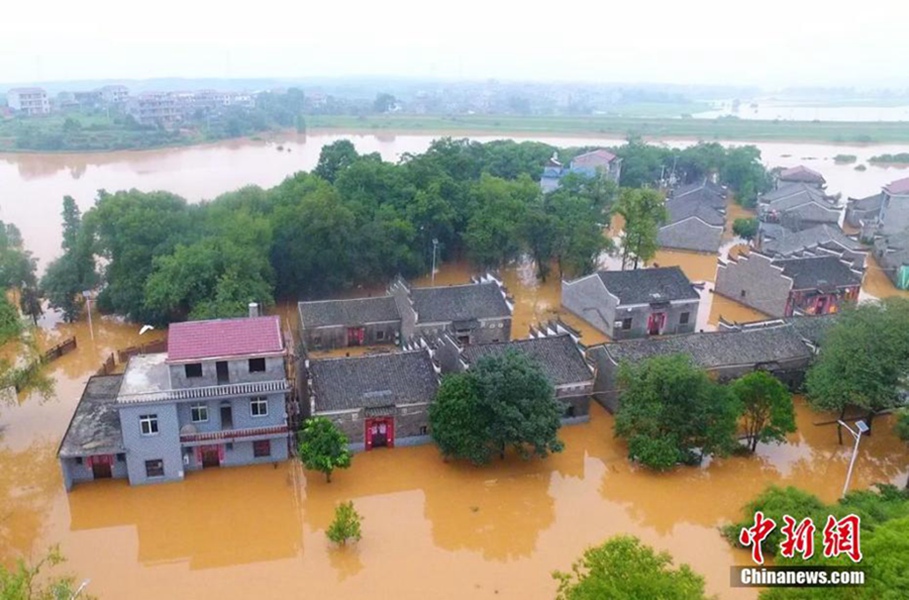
x,y
820,308
355,336
655,323
211,456
227,416
101,467
223,373
380,433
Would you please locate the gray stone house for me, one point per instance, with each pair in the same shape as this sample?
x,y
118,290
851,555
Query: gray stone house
x,y
379,400
813,285
798,206
892,254
553,346
800,174
215,398
477,313
773,346
779,242
692,225
638,303
586,165
862,211
329,324
884,214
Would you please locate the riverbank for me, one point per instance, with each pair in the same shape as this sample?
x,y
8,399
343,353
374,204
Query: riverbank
x,y
726,129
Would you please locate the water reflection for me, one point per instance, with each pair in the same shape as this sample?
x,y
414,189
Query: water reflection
x,y
215,518
28,481
346,561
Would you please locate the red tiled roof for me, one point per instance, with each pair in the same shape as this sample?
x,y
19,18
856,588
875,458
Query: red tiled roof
x,y
195,340
594,158
802,173
900,186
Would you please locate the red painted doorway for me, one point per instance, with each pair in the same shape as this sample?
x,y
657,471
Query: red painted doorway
x,y
355,336
380,432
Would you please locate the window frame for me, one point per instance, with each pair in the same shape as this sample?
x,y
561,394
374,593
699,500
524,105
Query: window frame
x,y
685,318
380,335
149,463
186,372
629,321
258,401
201,406
258,361
256,449
152,421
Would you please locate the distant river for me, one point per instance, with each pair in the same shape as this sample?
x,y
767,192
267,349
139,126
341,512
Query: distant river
x,y
33,185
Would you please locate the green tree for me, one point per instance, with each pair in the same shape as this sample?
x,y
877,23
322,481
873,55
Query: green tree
x,y
745,228
24,581
10,323
383,103
323,447
775,502
493,234
644,211
503,401
743,171
671,412
334,158
346,526
768,414
864,359
623,568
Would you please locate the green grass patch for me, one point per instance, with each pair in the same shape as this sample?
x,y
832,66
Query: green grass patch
x,y
893,159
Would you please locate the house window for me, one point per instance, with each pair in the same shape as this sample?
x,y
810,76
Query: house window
x,y
199,413
626,323
148,424
256,365
229,446
424,430
154,468
261,448
78,460
742,294
121,457
193,370
317,340
258,406
380,335
683,318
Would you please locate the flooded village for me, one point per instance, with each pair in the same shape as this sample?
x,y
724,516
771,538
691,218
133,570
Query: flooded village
x,y
434,528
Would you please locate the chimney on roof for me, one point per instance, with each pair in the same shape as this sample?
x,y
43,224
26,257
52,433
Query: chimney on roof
x,y
253,310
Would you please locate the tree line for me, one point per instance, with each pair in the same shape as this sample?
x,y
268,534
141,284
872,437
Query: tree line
x,y
357,220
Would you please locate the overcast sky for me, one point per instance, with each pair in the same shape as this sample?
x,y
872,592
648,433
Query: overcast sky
x,y
769,43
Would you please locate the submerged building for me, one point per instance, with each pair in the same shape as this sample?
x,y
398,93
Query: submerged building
x,y
217,397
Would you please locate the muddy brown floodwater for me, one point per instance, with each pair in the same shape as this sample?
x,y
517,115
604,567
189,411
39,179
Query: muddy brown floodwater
x,y
430,529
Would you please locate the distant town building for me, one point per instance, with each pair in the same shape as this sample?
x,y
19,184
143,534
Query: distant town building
x,y
587,165
812,285
379,400
215,398
154,108
776,241
637,303
29,101
114,94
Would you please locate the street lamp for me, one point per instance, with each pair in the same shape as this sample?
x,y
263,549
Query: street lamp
x,y
862,428
87,294
435,244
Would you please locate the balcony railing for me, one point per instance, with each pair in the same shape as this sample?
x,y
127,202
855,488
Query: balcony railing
x,y
229,390
232,434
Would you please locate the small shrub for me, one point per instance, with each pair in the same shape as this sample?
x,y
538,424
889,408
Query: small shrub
x,y
346,526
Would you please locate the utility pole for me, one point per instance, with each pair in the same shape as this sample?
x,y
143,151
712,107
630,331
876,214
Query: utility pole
x,y
435,244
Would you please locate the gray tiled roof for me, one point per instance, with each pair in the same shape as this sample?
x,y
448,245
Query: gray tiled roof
x,y
801,173
812,327
893,250
869,203
718,348
683,208
706,192
800,199
95,426
459,303
792,189
818,271
643,286
690,235
557,355
813,212
788,242
373,380
358,311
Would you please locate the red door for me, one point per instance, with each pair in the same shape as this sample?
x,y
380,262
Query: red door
x,y
355,336
655,323
380,433
101,466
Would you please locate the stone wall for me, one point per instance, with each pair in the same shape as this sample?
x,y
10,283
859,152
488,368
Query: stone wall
x,y
587,299
753,281
329,338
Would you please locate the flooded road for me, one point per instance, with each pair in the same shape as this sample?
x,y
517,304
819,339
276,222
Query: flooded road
x,y
32,185
430,529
